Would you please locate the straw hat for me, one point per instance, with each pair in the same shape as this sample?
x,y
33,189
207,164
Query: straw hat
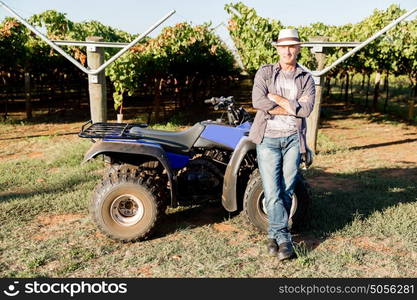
x,y
287,37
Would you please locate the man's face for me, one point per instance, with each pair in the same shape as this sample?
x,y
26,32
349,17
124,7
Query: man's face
x,y
288,54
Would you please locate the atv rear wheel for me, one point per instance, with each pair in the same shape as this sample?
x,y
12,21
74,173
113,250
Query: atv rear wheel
x,y
127,207
256,214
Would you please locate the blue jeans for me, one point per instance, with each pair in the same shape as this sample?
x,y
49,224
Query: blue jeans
x,y
278,161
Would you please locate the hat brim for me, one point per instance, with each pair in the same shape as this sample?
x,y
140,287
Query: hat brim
x,y
286,43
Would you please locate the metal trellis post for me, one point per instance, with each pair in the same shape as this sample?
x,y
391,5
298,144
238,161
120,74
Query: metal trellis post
x,y
96,64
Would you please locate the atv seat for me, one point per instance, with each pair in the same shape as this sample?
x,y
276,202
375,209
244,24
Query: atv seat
x,y
181,141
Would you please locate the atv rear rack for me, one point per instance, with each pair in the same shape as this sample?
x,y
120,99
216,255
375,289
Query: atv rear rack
x,y
109,130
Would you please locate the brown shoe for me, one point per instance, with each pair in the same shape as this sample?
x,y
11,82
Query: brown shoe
x,y
286,251
272,247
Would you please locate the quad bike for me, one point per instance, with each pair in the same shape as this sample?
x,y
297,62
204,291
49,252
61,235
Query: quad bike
x,y
149,170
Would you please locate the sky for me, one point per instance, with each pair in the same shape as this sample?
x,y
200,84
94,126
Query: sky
x,y
136,16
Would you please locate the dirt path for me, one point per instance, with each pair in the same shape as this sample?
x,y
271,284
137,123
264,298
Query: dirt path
x,y
367,140
356,143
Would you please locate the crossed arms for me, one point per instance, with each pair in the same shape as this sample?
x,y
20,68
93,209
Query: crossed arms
x,y
276,105
284,107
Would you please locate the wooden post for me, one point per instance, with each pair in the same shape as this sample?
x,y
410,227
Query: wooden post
x,y
386,85
97,83
376,91
346,99
28,104
314,119
6,93
367,91
411,104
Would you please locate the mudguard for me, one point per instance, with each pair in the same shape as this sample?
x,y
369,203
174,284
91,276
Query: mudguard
x,y
229,196
153,150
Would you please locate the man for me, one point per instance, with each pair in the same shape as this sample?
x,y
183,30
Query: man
x,y
283,95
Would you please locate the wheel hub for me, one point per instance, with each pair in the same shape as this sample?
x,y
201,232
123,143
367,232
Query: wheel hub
x,y
126,210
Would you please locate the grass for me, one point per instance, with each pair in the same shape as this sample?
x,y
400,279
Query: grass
x,y
365,227
327,146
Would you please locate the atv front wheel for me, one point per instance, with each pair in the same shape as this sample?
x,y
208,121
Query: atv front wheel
x,y
254,208
127,208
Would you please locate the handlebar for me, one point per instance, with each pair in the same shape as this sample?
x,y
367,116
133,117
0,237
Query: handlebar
x,y
219,100
235,115
210,101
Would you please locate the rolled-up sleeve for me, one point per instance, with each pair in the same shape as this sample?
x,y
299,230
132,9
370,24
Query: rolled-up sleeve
x,y
260,100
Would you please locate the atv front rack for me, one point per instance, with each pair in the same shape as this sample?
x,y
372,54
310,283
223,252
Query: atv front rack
x,y
109,130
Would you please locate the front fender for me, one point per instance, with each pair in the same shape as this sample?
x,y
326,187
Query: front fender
x,y
155,151
229,198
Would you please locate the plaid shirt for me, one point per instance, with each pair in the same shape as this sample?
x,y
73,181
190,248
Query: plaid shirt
x,y
264,83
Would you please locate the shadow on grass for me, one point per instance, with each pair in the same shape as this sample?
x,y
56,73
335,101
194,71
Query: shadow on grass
x,y
341,111
339,200
345,202
55,190
191,217
383,144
